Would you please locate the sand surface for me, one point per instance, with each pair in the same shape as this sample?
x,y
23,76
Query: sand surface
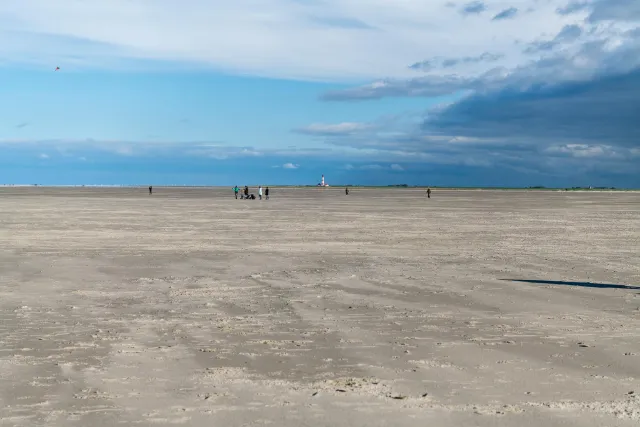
x,y
383,308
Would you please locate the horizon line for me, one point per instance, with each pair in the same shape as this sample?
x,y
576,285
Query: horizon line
x,y
339,186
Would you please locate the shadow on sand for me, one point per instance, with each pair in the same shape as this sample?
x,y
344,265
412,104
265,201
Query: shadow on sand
x,y
579,284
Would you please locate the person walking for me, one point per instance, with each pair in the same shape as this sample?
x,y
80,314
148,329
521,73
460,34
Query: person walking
x,y
150,190
236,190
246,192
260,192
428,193
346,191
266,193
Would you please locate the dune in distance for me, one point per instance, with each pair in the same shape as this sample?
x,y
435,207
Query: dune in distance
x,y
380,308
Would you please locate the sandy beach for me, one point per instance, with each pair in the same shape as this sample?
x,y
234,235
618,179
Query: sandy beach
x,y
383,308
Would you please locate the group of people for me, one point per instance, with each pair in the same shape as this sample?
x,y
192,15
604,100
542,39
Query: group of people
x,y
245,193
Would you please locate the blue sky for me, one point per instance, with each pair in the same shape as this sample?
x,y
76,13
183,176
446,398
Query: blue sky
x,y
500,93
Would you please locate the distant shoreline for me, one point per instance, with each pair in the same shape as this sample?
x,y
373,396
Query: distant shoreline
x,y
340,187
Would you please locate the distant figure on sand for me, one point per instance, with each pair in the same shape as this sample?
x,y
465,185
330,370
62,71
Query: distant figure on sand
x,y
260,192
428,193
246,192
150,190
266,193
346,191
236,190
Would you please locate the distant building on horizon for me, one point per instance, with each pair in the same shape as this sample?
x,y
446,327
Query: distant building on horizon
x,y
322,184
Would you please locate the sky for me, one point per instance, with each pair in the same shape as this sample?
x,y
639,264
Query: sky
x,y
377,92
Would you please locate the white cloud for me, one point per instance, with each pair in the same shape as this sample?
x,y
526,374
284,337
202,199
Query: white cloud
x,y
334,129
372,167
290,166
585,150
328,40
43,156
124,150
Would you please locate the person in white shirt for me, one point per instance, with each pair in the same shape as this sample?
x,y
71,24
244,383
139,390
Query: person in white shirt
x,y
260,192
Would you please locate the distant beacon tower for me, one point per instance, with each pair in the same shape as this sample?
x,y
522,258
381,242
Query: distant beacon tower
x,y
321,183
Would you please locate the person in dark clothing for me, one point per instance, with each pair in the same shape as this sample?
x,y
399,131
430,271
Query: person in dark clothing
x,y
428,193
150,189
346,191
246,192
266,193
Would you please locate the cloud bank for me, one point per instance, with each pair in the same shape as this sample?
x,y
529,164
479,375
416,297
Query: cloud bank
x,y
572,106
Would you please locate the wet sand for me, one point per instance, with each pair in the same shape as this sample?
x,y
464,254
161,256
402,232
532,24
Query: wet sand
x,y
383,308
